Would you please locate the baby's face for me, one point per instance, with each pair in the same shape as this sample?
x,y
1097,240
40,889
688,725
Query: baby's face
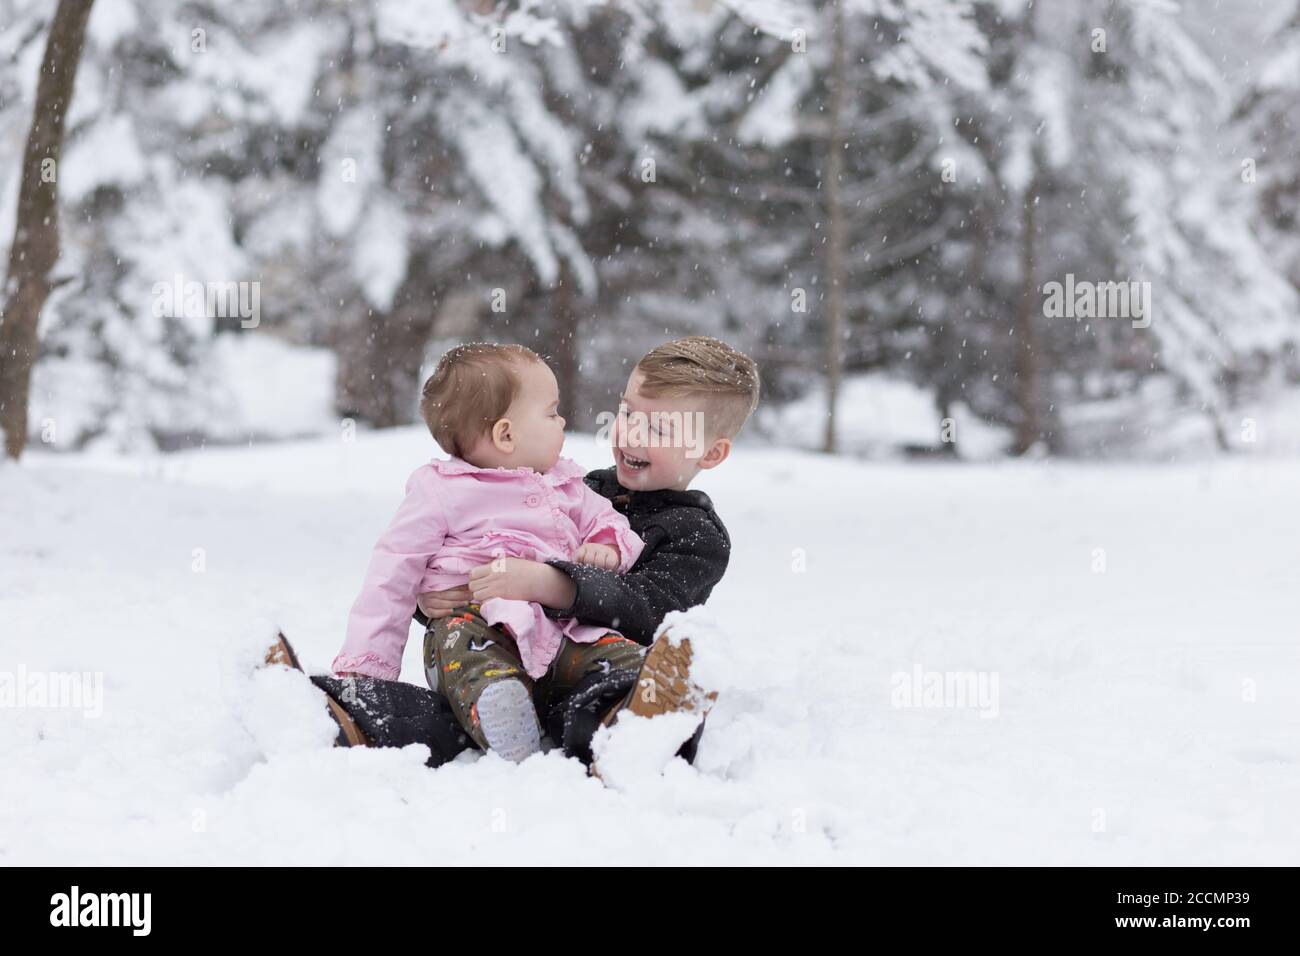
x,y
536,424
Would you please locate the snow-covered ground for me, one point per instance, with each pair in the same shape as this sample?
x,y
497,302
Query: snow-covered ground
x,y
1132,630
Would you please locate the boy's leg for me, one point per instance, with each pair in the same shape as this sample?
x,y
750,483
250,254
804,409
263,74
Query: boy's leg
x,y
281,653
478,670
382,713
394,714
584,683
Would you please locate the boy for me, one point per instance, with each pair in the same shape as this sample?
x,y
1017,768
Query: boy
x,y
684,404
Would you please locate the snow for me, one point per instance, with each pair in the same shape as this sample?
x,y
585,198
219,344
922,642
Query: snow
x,y
879,414
511,184
382,251
273,80
341,193
774,116
1282,72
661,104
421,23
273,389
110,21
937,36
261,387
778,18
108,154
1145,712
640,749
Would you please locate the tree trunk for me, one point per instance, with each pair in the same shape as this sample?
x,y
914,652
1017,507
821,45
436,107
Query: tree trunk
x,y
1026,359
1029,429
35,248
564,324
948,371
835,219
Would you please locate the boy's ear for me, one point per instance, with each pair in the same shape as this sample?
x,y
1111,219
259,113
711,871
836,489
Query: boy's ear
x,y
502,436
716,454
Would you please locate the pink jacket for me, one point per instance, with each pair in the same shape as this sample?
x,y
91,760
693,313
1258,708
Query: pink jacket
x,y
457,516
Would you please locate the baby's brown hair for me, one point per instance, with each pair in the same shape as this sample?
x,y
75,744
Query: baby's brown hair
x,y
724,379
470,391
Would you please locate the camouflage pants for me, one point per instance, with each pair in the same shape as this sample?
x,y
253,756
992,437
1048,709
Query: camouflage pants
x,y
463,655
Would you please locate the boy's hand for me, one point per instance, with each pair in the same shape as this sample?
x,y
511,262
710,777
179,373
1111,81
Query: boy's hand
x,y
598,556
436,604
518,579
510,578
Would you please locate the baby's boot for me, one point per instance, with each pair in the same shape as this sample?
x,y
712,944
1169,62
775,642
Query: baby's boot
x,y
507,719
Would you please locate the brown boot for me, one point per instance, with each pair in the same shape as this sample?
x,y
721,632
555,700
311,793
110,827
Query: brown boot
x,y
281,652
663,686
350,735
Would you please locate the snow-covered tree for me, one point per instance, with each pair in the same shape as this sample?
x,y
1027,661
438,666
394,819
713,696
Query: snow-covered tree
x,y
865,184
1266,116
733,111
1096,137
1221,311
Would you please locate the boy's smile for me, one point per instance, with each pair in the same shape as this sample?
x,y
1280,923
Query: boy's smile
x,y
632,465
663,454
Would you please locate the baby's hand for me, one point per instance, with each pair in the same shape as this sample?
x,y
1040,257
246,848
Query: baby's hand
x,y
598,556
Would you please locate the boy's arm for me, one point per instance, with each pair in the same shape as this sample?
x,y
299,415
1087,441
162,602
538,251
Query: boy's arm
x,y
600,523
381,616
680,574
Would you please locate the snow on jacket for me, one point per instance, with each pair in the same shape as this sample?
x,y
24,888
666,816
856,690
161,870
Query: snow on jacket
x,y
457,516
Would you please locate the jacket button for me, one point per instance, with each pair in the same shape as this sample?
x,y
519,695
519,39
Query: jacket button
x,y
532,501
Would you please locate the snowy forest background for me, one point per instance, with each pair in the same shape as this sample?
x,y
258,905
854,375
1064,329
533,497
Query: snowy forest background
x,y
882,186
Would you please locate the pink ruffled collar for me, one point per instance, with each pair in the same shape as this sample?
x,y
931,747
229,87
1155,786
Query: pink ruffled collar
x,y
564,470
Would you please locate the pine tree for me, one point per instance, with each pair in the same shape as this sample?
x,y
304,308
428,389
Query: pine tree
x,y
34,251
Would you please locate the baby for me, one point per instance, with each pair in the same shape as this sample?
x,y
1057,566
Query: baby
x,y
504,492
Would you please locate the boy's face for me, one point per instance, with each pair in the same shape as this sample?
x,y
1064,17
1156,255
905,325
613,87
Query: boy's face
x,y
662,442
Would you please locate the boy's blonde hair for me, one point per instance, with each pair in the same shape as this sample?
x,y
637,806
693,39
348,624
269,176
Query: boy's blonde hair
x,y
470,391
726,381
